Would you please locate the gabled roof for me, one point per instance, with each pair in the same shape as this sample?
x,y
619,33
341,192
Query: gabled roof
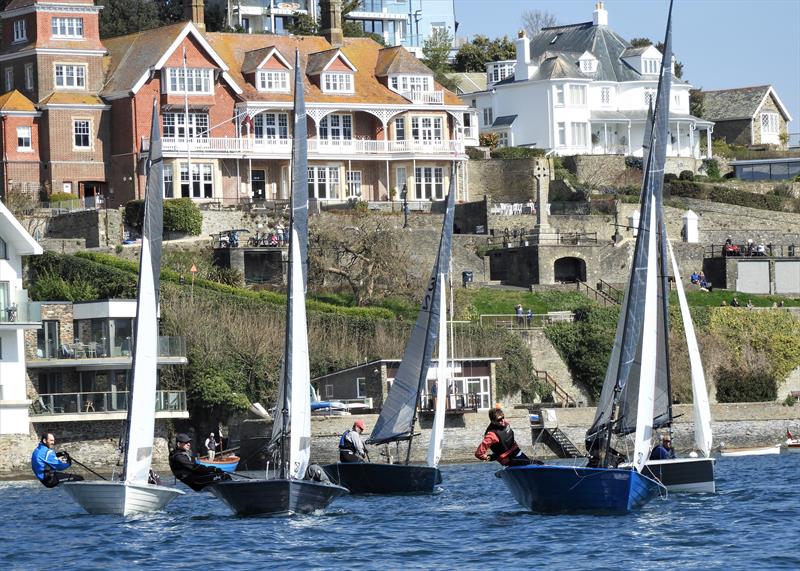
x,y
254,59
469,82
738,103
504,121
16,101
12,232
319,62
633,52
561,67
396,60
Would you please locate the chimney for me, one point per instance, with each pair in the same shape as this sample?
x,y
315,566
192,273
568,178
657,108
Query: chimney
x,y
194,11
331,13
600,16
523,57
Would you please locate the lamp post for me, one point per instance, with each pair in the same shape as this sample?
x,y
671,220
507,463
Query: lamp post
x,y
404,196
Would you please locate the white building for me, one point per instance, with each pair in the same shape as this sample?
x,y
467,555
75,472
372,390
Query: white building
x,y
582,89
15,316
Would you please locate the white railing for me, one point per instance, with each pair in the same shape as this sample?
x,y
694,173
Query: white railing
x,y
435,97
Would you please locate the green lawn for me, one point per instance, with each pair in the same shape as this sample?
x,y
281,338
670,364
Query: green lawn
x,y
498,301
716,297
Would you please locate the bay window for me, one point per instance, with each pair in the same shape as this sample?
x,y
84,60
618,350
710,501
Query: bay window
x,y
426,129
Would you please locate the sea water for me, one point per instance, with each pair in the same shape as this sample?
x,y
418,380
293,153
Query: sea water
x,y
472,523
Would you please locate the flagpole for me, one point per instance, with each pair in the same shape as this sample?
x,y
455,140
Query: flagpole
x,y
186,121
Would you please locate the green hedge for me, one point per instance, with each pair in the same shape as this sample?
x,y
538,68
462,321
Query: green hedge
x,y
61,197
716,193
738,385
180,215
512,153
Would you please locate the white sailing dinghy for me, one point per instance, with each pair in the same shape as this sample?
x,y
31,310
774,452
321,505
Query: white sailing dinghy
x,y
289,491
133,493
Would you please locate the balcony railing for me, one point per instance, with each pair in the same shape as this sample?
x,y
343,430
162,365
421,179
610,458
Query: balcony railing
x,y
425,97
282,148
102,402
20,310
167,347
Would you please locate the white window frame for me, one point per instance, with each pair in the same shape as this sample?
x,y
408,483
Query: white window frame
x,y
400,129
587,65
328,391
503,138
69,76
677,99
271,126
561,134
169,184
500,71
429,183
20,30
337,82
202,183
200,81
426,129
69,28
354,188
559,95
29,81
577,95
488,117
605,95
9,76
413,83
173,125
87,134
359,381
323,182
401,180
273,81
770,124
336,127
650,66
25,135
578,132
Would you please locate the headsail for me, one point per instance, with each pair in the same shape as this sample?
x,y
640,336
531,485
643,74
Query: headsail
x,y
144,372
396,420
293,413
442,370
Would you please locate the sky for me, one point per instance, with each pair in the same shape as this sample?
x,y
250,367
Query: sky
x,y
721,43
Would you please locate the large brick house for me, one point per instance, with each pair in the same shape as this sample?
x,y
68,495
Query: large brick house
x,y
377,121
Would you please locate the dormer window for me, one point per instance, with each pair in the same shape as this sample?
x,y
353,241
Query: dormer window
x,y
70,28
500,71
273,81
589,65
650,66
20,33
192,80
337,82
406,83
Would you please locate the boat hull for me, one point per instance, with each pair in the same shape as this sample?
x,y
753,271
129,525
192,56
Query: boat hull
x,y
120,498
793,445
225,464
694,475
368,478
762,451
565,489
276,497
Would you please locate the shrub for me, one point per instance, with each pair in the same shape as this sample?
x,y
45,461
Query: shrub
x,y
512,153
491,140
133,213
711,167
634,163
670,177
61,197
783,190
737,385
686,175
182,215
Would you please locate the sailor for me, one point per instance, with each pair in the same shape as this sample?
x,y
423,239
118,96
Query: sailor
x,y
47,464
196,476
351,448
498,442
664,450
211,446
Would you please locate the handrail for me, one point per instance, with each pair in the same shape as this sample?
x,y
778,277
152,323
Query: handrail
x,y
616,293
524,321
751,251
597,295
557,389
99,402
524,238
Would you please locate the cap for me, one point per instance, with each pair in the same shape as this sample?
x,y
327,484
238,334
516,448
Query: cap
x,y
359,424
182,437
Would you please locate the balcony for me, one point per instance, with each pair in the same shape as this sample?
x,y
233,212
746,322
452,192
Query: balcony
x,y
94,354
108,405
20,313
425,97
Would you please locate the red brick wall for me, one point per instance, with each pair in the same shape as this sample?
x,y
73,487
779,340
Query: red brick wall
x,y
91,31
8,30
46,71
10,124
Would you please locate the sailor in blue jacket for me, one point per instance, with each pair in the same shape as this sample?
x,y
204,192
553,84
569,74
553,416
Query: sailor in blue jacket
x,y
664,450
47,466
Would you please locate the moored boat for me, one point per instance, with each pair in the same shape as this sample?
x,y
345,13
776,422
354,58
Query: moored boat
x,y
225,463
754,451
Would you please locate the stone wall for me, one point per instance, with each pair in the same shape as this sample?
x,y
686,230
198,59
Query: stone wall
x,y
503,181
97,227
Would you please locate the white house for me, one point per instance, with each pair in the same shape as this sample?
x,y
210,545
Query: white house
x,y
582,89
15,317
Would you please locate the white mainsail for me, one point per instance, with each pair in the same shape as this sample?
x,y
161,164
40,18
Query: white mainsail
x,y
702,410
442,370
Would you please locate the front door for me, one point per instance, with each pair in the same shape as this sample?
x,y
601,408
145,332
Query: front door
x,y
259,184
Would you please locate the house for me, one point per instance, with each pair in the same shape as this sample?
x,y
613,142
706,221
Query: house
x,y
377,121
471,386
468,82
747,116
79,363
583,89
17,317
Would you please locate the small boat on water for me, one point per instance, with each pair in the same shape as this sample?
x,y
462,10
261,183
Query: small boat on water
x,y
792,443
756,451
225,463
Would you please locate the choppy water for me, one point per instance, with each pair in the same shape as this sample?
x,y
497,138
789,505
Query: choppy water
x,y
473,523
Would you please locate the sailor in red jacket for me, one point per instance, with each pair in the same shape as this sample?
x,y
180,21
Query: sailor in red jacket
x,y
498,442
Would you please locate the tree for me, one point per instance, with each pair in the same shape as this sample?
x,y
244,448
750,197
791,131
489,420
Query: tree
x,y
436,55
696,97
641,42
120,17
474,55
303,25
169,11
534,21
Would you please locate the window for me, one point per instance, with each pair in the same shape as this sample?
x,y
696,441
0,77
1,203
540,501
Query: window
x,y
271,126
3,250
429,183
559,94
577,95
562,134
328,391
769,123
336,127
649,97
588,65
70,76
650,66
500,71
405,83
605,95
81,129
66,27
337,82
202,185
354,184
9,78
323,182
400,129
20,34
273,81
361,387
29,76
400,180
190,80
503,139
426,129
488,119
24,139
174,125
169,190
677,99
579,134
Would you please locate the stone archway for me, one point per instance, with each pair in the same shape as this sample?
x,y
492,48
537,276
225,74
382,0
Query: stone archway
x,y
569,270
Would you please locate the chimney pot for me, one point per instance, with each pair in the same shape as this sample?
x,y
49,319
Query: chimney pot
x,y
331,13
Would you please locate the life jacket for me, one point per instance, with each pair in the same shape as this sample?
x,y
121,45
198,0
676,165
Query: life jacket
x,y
347,444
507,446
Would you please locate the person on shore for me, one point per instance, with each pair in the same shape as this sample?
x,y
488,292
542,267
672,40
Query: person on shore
x,y
351,447
47,464
196,476
211,446
735,302
498,442
664,450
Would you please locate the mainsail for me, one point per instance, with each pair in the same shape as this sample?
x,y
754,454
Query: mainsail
x,y
293,414
396,421
144,373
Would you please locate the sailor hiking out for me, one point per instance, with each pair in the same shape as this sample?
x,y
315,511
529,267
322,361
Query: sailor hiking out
x,y
47,464
183,466
498,442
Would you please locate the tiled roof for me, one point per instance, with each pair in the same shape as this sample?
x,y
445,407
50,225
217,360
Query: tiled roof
x,y
398,60
316,62
469,82
61,98
14,4
560,67
15,101
253,59
732,104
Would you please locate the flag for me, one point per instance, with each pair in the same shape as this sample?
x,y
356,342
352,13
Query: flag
x,y
789,435
248,122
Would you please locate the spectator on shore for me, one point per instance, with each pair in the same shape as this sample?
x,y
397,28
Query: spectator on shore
x,y
750,247
724,303
761,250
694,278
518,312
529,317
749,304
735,302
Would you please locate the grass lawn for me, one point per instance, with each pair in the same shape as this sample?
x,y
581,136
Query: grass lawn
x,y
716,297
498,301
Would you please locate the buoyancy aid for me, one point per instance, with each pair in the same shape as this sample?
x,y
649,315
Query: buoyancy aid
x,y
507,446
347,444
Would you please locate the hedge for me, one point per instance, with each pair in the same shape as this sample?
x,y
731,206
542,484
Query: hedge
x,y
715,193
180,215
62,197
512,153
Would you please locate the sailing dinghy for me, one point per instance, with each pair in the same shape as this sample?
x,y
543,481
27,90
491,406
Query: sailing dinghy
x,y
133,493
288,491
398,416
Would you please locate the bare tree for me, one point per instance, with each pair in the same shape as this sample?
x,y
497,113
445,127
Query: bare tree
x,y
535,20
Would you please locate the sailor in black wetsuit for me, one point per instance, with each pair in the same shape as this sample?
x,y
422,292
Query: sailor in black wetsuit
x,y
499,440
193,475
